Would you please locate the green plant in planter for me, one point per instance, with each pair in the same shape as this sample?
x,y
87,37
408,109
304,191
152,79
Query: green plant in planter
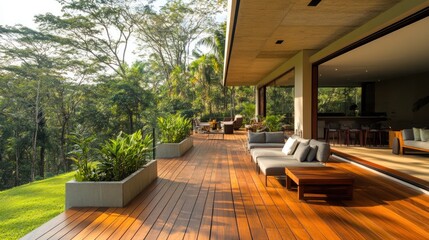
x,y
82,154
274,122
174,128
124,155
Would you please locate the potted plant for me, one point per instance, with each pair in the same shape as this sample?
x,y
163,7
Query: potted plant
x,y
213,124
122,172
174,136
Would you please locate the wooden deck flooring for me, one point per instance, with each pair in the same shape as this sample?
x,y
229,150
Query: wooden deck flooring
x,y
213,192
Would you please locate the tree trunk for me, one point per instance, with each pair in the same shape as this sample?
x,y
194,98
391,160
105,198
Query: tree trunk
x,y
36,125
232,101
16,168
42,162
130,117
225,98
63,145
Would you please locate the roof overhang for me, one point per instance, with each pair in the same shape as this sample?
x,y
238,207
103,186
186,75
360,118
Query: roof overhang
x,y
254,27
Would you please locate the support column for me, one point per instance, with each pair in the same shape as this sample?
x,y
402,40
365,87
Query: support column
x,y
303,94
261,101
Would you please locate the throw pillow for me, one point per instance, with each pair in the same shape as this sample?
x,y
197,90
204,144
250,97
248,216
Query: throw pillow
x,y
407,134
256,137
424,135
312,153
301,152
274,137
290,146
416,132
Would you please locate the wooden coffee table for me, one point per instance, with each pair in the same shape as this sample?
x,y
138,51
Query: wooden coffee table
x,y
327,182
215,132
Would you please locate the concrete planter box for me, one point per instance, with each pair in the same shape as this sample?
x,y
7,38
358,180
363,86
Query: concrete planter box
x,y
172,150
110,194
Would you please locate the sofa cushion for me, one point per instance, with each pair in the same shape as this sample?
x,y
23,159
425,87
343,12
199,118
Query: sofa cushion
x,y
274,137
301,152
276,167
408,134
323,150
256,137
290,146
417,144
311,156
424,135
265,145
266,152
416,133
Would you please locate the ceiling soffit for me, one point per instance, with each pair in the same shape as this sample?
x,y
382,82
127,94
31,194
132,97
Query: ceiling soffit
x,y
261,23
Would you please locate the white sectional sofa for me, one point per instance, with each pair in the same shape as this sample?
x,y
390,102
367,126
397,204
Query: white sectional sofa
x,y
415,139
272,161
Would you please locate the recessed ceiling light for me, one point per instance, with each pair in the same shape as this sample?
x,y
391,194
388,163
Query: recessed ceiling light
x,y
314,3
279,41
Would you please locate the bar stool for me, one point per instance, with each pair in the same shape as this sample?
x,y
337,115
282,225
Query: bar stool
x,y
344,131
371,133
384,133
356,132
332,129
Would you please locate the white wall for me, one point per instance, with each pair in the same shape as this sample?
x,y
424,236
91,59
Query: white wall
x,y
397,96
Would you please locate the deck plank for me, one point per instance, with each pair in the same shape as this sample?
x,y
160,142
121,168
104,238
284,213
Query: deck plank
x,y
214,192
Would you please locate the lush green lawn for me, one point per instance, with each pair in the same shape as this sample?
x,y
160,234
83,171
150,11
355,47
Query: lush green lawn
x,y
24,208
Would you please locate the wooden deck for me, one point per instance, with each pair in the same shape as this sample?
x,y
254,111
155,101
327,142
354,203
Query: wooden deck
x,y
214,192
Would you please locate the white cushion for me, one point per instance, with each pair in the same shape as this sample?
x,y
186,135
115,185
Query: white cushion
x,y
416,132
290,146
424,135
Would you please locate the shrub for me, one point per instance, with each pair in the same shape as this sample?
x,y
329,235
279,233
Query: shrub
x,y
120,157
174,128
82,156
274,122
124,155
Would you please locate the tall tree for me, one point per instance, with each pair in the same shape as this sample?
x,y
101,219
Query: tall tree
x,y
27,54
170,32
101,30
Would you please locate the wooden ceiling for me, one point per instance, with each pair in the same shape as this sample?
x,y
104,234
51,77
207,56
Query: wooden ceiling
x,y
259,24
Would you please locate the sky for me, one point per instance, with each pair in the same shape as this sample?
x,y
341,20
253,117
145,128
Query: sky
x,y
23,11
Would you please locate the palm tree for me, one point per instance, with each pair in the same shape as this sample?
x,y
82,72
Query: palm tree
x,y
216,45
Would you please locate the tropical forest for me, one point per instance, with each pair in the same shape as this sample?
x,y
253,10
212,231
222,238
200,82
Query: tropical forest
x,y
103,67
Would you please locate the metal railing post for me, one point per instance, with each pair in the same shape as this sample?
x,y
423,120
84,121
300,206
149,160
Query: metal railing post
x,y
153,144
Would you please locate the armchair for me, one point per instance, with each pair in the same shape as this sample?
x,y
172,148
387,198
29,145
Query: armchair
x,y
238,121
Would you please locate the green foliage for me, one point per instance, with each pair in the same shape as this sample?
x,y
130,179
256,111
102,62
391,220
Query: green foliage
x,y
174,128
274,122
248,111
124,155
82,156
27,207
79,59
280,100
339,99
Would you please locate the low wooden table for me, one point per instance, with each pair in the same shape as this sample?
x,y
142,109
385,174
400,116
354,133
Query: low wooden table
x,y
215,132
320,180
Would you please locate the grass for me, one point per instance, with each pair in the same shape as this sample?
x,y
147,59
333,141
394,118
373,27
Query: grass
x,y
24,208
